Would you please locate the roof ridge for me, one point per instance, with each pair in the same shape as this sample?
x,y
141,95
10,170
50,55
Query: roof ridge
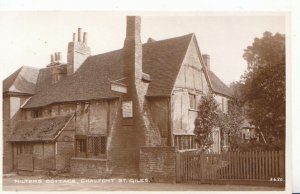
x,y
26,66
168,39
105,53
146,43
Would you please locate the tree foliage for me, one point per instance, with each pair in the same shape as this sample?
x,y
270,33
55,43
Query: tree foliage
x,y
210,116
230,123
206,120
262,88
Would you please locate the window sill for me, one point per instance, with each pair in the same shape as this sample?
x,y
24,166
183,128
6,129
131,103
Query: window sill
x,y
195,110
89,159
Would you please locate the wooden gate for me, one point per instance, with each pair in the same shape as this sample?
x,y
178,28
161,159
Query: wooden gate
x,y
254,168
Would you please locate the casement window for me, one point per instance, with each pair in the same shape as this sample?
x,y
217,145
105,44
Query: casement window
x,y
192,101
183,142
96,145
34,113
81,145
24,148
91,146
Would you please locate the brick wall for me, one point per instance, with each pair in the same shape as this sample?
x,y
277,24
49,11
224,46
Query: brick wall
x,y
158,164
89,167
65,147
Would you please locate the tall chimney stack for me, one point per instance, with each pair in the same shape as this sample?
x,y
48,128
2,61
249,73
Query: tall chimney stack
x,y
206,59
78,51
79,34
132,51
136,122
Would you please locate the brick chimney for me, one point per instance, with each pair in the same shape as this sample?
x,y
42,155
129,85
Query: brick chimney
x,y
132,51
129,136
206,59
55,59
78,51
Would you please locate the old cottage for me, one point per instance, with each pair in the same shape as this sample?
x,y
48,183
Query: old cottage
x,y
92,115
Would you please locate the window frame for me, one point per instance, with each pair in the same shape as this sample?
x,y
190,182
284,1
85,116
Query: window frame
x,y
93,146
184,141
34,113
192,101
24,148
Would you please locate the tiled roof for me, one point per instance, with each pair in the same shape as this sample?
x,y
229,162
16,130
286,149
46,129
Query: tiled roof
x,y
39,129
218,85
21,81
44,79
161,60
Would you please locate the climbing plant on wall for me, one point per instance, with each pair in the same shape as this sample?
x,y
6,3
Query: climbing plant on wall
x,y
207,119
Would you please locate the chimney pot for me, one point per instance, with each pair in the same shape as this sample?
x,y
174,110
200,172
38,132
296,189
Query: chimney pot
x,y
52,58
74,37
85,37
59,56
55,56
79,34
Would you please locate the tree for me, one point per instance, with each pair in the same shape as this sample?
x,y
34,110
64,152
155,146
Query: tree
x,y
230,123
210,116
206,120
263,86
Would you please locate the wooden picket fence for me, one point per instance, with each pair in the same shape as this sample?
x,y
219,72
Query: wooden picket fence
x,y
256,168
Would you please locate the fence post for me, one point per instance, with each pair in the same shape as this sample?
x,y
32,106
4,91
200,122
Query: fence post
x,y
177,170
281,165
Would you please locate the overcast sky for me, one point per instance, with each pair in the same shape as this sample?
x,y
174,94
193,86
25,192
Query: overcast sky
x,y
28,38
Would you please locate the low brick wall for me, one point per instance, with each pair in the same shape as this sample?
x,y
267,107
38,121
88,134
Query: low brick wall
x,y
158,164
89,167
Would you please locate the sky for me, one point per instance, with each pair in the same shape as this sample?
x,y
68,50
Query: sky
x,y
31,37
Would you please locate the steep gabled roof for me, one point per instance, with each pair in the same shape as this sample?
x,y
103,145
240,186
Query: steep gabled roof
x,y
218,86
39,129
161,60
21,81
